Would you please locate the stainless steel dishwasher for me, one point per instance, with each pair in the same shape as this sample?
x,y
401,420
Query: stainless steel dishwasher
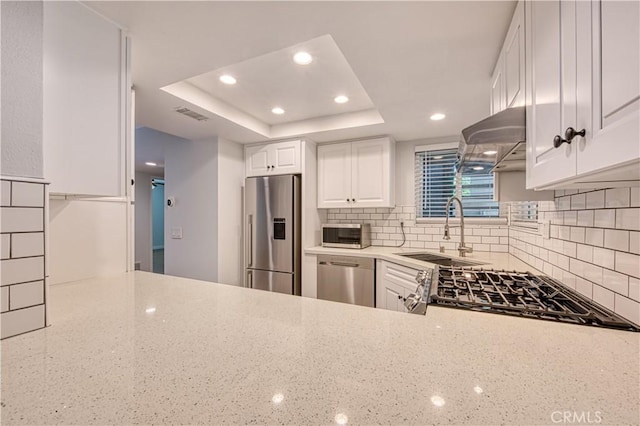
x,y
347,279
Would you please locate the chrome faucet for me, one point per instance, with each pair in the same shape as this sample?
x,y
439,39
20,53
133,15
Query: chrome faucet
x,y
462,249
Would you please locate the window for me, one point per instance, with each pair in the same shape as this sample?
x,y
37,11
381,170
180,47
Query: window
x,y
438,179
524,214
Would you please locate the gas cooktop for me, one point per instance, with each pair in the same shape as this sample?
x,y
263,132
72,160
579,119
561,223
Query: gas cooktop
x,y
520,294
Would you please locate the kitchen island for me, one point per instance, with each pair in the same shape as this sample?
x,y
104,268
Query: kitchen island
x,y
145,348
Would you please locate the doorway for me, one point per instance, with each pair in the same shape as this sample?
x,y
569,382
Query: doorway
x,y
157,225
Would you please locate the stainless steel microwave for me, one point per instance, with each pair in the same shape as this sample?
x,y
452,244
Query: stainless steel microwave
x,y
346,235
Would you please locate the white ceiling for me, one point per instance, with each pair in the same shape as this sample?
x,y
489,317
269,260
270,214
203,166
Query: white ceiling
x,y
151,146
411,58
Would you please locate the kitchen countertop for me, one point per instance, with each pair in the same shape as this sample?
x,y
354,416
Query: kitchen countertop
x,y
146,348
485,259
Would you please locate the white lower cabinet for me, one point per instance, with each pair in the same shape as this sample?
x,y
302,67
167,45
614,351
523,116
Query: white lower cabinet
x,y
393,283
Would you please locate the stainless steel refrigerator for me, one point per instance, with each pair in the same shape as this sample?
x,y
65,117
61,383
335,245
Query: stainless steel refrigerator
x,y
272,233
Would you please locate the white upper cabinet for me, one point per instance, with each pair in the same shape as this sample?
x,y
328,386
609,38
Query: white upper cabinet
x,y
357,174
583,62
551,97
279,158
334,175
86,91
508,79
611,117
498,99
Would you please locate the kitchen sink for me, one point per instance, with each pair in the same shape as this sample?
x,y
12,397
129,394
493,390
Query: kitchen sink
x,y
440,260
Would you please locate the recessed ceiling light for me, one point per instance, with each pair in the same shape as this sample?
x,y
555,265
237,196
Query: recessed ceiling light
x,y
227,79
438,401
302,58
341,99
277,110
341,419
478,168
149,163
277,398
437,116
490,152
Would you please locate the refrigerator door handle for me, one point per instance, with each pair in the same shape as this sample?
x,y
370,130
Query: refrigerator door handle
x,y
250,279
250,245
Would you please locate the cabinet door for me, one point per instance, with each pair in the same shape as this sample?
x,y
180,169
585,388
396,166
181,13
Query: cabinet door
x,y
393,284
608,47
334,176
371,178
497,87
284,158
551,95
257,160
83,101
514,60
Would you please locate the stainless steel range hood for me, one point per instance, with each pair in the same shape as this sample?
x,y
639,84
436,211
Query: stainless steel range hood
x,y
504,133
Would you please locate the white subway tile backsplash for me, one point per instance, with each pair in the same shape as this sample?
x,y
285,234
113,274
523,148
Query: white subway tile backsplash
x,y
571,218
594,237
605,218
628,308
617,240
617,197
634,242
634,288
577,234
628,219
21,220
595,200
604,257
22,270
603,296
22,320
578,202
615,281
584,287
25,194
28,294
635,196
585,253
5,245
4,299
626,263
28,244
5,193
585,218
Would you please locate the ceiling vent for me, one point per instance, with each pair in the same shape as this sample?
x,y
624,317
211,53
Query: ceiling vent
x,y
191,114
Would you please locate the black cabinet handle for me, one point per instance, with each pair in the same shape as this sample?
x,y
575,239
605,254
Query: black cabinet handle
x,y
571,133
347,200
353,199
559,140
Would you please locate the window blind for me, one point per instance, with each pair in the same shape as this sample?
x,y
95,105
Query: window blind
x,y
437,179
435,175
524,213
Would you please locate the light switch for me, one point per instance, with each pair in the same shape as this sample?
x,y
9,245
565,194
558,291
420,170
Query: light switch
x,y
176,233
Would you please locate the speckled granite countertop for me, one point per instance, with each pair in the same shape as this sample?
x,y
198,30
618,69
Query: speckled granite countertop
x,y
144,348
393,254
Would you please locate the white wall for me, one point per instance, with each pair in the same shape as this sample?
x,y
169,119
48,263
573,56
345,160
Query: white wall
x,y
143,252
191,174
21,29
87,238
230,199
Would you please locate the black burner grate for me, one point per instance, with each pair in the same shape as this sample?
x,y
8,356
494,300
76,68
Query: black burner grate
x,y
522,294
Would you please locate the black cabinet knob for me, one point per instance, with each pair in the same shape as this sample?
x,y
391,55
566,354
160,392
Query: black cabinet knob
x,y
559,140
347,200
353,199
571,133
